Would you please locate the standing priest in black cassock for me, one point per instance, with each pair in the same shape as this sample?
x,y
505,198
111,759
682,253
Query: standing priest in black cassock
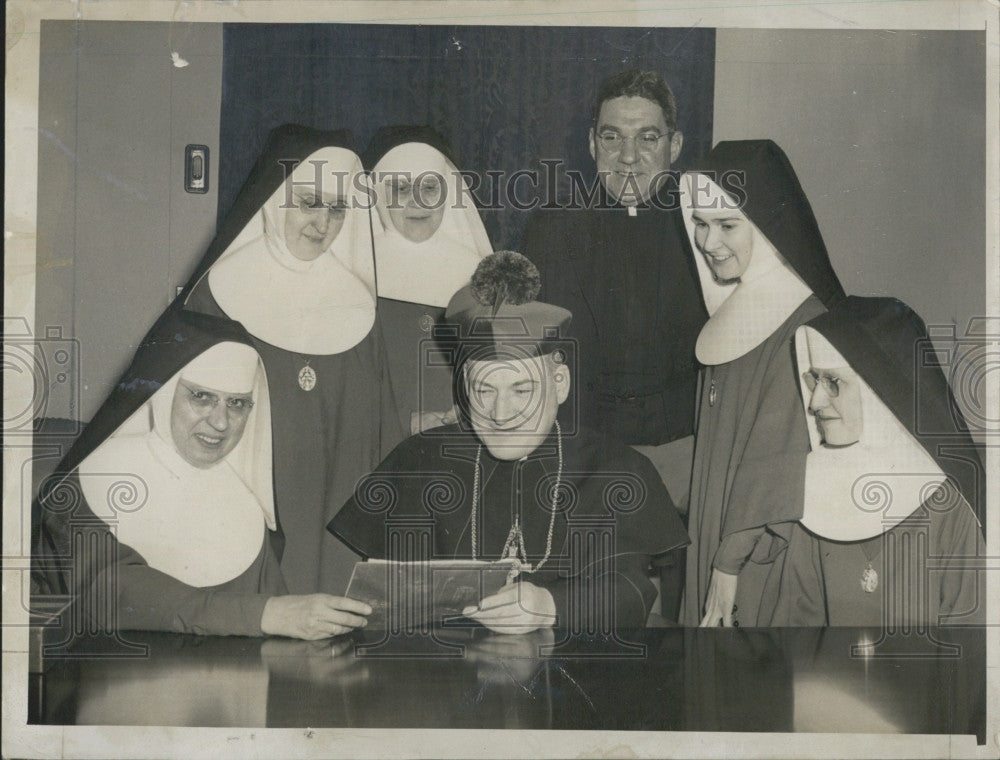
x,y
621,263
584,516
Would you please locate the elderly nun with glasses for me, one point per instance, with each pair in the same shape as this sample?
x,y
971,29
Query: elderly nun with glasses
x,y
161,516
891,531
293,263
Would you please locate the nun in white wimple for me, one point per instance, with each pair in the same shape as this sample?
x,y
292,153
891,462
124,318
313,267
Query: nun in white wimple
x,y
183,488
293,263
204,465
888,535
428,239
764,271
300,276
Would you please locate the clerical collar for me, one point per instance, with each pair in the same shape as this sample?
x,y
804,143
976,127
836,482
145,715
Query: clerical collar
x,y
544,451
606,201
666,199
632,209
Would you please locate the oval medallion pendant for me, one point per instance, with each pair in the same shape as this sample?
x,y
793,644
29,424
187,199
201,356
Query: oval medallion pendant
x,y
869,579
307,378
711,393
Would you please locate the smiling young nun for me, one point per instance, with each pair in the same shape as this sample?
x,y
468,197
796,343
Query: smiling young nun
x,y
428,240
764,271
293,263
889,534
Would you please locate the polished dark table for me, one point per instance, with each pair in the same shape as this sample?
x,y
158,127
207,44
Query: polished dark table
x,y
813,680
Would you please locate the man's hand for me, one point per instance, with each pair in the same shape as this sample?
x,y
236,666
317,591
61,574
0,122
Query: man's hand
x,y
517,608
312,616
721,599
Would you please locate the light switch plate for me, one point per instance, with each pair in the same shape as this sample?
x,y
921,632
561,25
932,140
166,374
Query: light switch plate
x,y
196,168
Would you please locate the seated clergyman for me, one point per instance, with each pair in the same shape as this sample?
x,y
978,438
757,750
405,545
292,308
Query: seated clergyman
x,y
582,516
888,534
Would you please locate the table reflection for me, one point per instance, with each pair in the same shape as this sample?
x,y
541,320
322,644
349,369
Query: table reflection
x,y
185,682
932,683
686,679
736,680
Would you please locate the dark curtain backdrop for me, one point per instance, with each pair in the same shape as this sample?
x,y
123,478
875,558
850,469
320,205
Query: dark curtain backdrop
x,y
505,97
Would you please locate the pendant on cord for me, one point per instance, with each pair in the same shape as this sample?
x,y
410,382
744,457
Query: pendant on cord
x,y
307,378
869,579
513,549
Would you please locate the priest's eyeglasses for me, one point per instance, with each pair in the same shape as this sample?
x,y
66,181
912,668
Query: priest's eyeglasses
x,y
830,383
205,401
644,142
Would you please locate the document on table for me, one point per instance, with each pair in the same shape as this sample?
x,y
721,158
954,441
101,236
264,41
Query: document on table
x,y
433,592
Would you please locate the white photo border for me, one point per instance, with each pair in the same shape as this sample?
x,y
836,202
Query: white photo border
x,y
21,151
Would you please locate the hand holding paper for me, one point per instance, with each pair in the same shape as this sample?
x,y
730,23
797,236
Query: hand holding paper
x,y
312,616
517,608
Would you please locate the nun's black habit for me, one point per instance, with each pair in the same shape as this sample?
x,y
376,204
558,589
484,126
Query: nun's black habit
x,y
314,325
751,444
141,538
891,523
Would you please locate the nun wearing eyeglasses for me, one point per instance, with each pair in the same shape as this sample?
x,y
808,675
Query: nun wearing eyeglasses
x,y
764,271
161,517
889,534
293,263
428,240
